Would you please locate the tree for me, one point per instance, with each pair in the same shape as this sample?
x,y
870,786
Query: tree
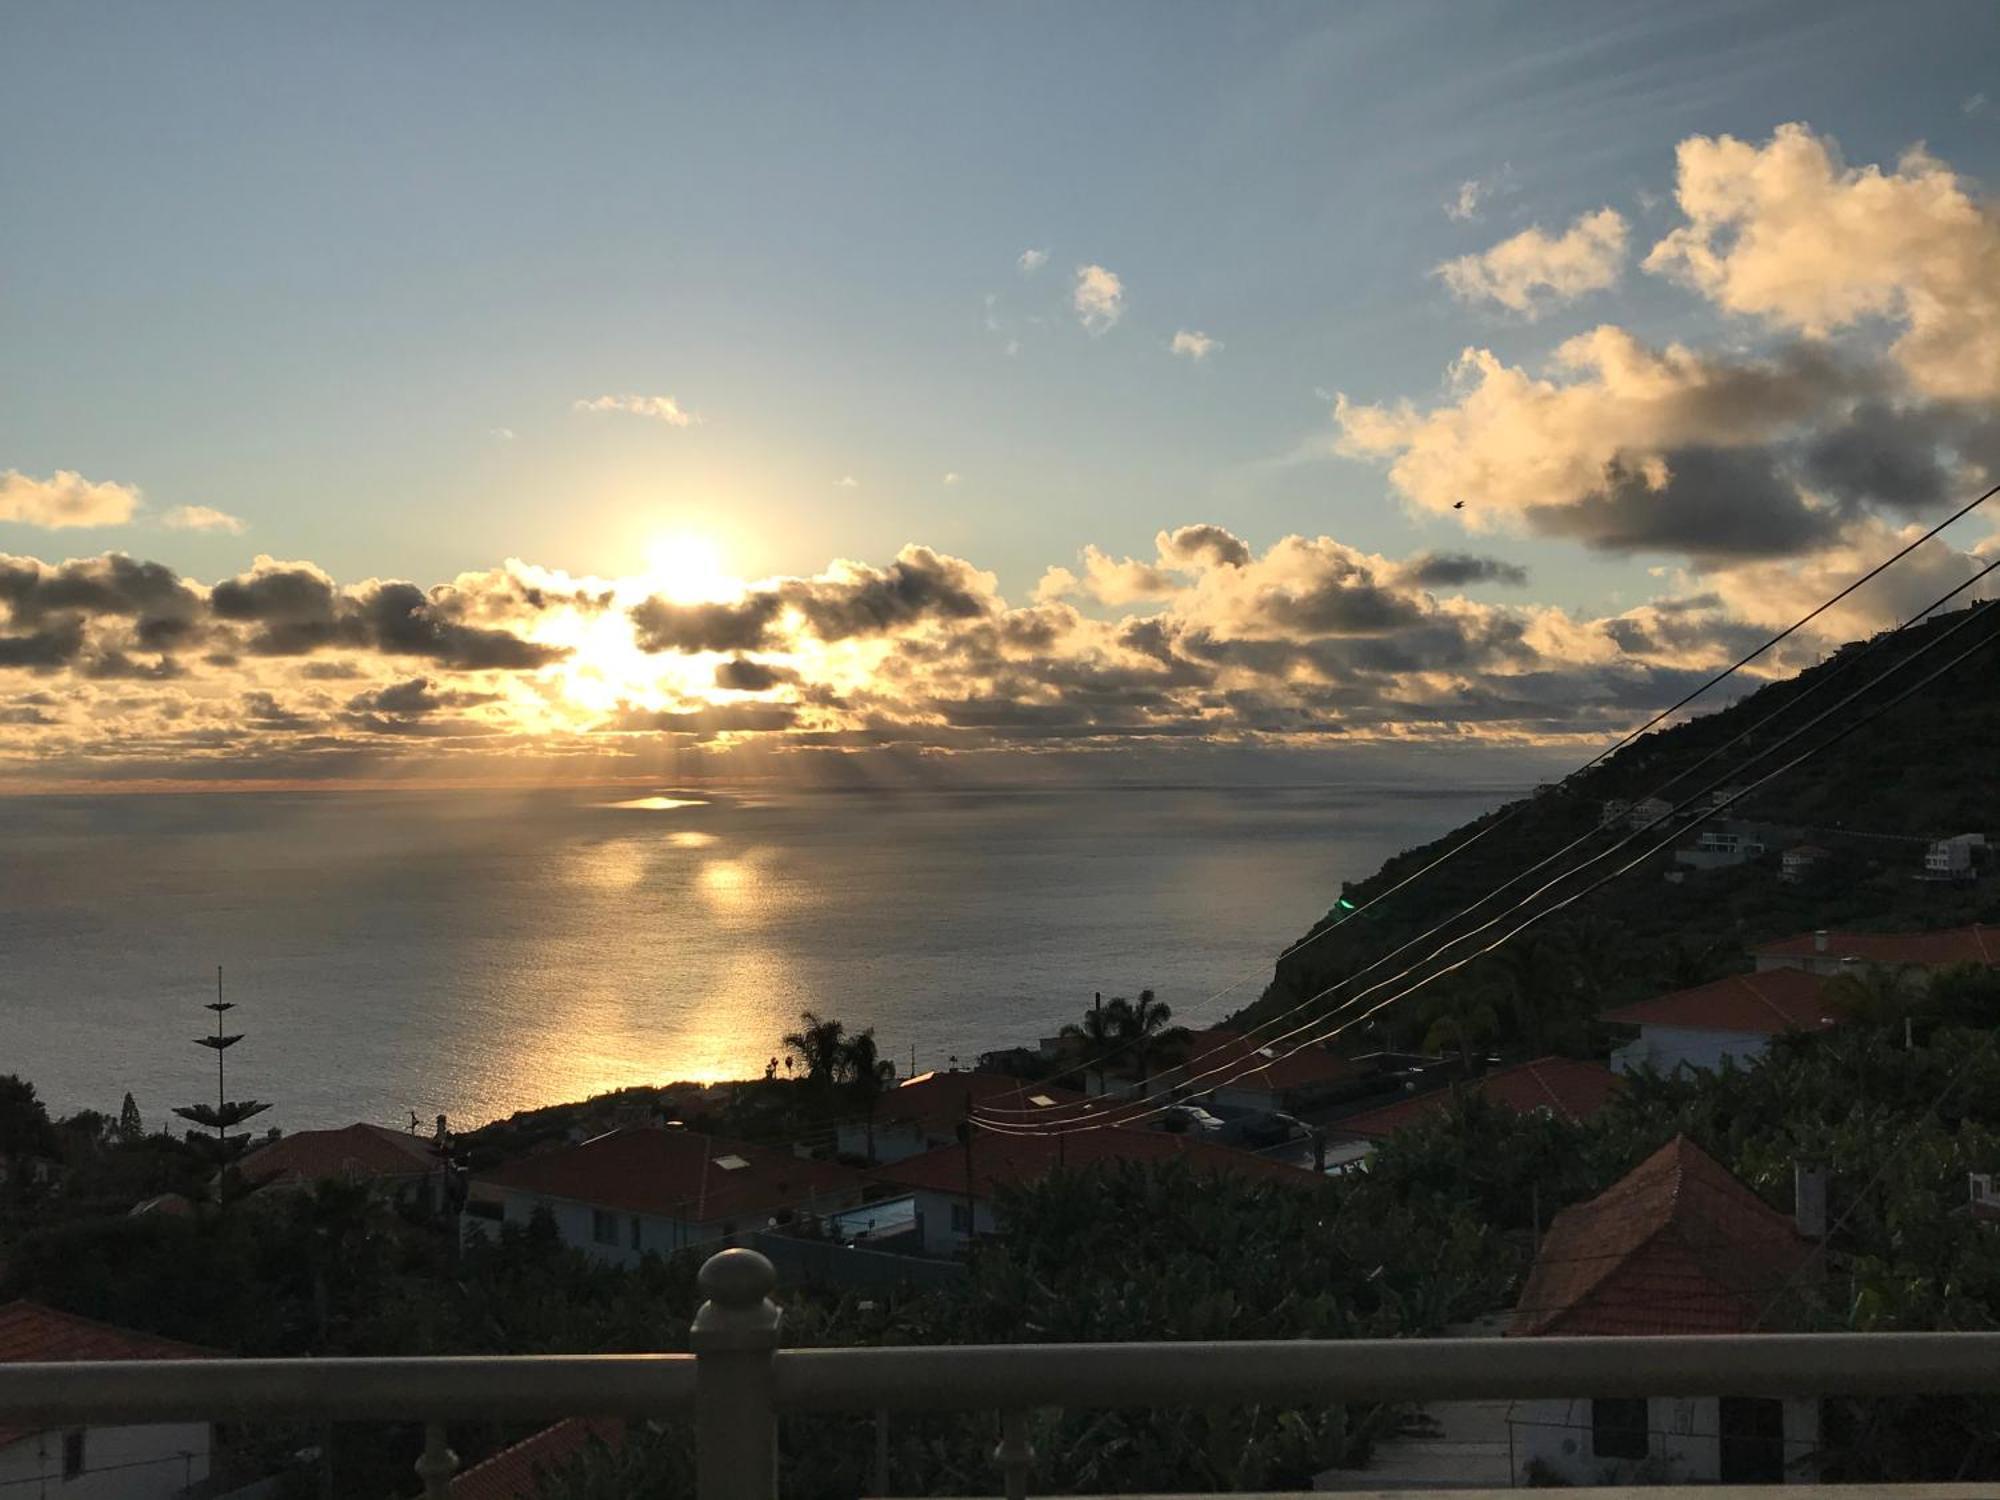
x,y
1145,1025
867,1077
1095,1036
820,1044
24,1120
1875,995
1460,1022
130,1127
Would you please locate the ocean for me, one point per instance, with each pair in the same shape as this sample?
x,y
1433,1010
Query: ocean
x,y
478,952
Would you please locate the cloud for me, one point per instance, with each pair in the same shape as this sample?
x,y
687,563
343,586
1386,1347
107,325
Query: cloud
x,y
742,675
744,625
1193,345
1973,104
1622,447
504,434
1533,271
1787,233
847,482
201,518
1032,261
658,408
1099,299
1454,570
951,476
65,498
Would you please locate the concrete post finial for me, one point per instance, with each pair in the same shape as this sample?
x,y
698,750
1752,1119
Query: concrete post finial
x,y
734,1336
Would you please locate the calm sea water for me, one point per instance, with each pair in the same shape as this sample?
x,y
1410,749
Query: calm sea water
x,y
478,953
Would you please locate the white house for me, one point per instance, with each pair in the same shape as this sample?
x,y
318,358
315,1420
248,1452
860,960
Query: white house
x,y
628,1193
106,1461
1677,1246
1733,1018
925,1112
1722,846
1952,858
1801,860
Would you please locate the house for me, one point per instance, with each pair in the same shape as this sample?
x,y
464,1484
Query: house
x,y
646,1190
1733,1018
1829,953
955,1186
1561,1086
1649,812
1243,1076
1953,858
1677,1246
517,1472
1801,860
925,1112
107,1461
1723,845
396,1162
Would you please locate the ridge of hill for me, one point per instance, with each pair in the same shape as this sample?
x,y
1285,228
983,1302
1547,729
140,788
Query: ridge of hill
x,y
1875,799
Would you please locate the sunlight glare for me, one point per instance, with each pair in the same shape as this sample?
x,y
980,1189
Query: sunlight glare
x,y
686,567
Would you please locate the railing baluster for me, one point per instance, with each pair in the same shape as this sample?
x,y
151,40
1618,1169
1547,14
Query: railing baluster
x,y
437,1463
733,1337
1013,1454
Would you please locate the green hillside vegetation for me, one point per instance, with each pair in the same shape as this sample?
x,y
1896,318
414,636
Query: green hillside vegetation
x,y
1924,770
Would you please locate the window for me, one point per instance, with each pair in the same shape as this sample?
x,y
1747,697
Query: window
x,y
73,1455
1753,1440
1618,1427
961,1219
604,1226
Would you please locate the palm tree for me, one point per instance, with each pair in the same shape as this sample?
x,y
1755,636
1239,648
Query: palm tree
x,y
1874,995
821,1045
868,1077
1460,1022
1144,1023
1097,1033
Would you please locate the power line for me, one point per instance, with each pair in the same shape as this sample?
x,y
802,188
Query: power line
x,y
1976,614
1817,685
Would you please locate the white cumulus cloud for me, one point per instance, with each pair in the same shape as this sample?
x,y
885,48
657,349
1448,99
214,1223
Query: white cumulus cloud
x,y
1534,270
65,498
1099,298
658,408
1032,261
1193,344
202,518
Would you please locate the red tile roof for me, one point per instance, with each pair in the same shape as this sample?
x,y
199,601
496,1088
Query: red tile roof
x,y
1675,1246
516,1473
1018,1159
1574,1090
33,1334
1765,1004
353,1152
1252,1063
935,1102
680,1174
1977,944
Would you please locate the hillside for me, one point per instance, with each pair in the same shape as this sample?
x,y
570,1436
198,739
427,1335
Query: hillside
x,y
1924,770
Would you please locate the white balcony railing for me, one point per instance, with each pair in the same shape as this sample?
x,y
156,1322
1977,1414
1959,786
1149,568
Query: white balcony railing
x,y
736,1382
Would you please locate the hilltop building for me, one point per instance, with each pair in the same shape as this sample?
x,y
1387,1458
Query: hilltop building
x,y
1677,1246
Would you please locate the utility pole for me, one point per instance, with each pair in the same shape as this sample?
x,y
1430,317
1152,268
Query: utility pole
x,y
965,1135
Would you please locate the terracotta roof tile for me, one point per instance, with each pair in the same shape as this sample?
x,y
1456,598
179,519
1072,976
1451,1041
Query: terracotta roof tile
x,y
1273,1068
680,1174
1677,1245
33,1334
516,1473
351,1152
935,1102
1977,944
1765,1004
1572,1089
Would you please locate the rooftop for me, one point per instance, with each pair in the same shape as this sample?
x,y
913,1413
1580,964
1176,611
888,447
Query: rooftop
x,y
1273,1068
680,1174
1977,944
937,1100
351,1152
1570,1089
31,1333
1676,1246
1015,1159
515,1473
1765,1004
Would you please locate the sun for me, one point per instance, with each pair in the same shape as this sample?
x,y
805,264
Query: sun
x,y
687,568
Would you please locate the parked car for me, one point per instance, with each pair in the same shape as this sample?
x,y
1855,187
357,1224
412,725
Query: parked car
x,y
1189,1119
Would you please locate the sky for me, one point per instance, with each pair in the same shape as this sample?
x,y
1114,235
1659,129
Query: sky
x,y
496,389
